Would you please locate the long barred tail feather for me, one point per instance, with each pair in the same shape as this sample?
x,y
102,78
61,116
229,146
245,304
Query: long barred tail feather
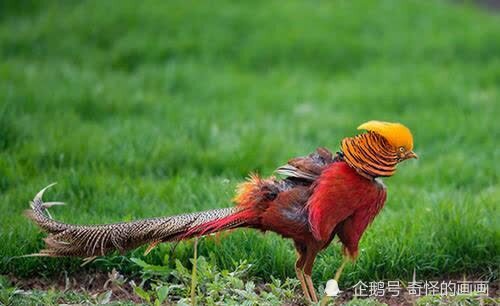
x,y
99,240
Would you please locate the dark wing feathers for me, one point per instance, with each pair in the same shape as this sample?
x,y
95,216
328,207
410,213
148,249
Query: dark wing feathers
x,y
307,167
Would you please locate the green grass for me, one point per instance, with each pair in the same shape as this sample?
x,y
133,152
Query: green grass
x,y
141,109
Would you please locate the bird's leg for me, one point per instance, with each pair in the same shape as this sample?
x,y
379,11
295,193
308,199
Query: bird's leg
x,y
303,283
299,264
310,257
341,268
310,285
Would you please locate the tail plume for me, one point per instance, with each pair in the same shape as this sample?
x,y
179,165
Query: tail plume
x,y
99,240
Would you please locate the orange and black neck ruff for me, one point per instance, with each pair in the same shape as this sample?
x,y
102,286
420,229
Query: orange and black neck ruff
x,y
370,154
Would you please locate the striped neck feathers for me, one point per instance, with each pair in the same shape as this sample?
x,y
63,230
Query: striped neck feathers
x,y
370,155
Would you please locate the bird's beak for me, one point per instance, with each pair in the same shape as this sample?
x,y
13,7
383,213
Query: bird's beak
x,y
411,154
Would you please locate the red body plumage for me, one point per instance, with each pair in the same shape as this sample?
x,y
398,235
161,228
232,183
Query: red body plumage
x,y
340,202
344,203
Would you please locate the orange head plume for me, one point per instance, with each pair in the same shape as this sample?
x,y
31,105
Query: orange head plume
x,y
396,134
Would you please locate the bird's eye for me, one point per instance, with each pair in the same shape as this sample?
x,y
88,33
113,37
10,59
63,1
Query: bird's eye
x,y
401,149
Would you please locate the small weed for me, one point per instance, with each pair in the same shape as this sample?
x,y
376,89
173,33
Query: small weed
x,y
8,292
213,285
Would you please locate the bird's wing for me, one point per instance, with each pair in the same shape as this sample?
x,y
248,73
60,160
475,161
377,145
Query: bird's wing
x,y
338,193
307,167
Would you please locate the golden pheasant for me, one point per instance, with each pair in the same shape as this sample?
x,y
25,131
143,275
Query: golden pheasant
x,y
319,197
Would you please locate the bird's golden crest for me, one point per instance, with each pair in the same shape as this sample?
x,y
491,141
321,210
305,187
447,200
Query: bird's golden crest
x,y
396,134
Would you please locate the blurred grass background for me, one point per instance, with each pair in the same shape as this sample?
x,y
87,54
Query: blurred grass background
x,y
142,109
